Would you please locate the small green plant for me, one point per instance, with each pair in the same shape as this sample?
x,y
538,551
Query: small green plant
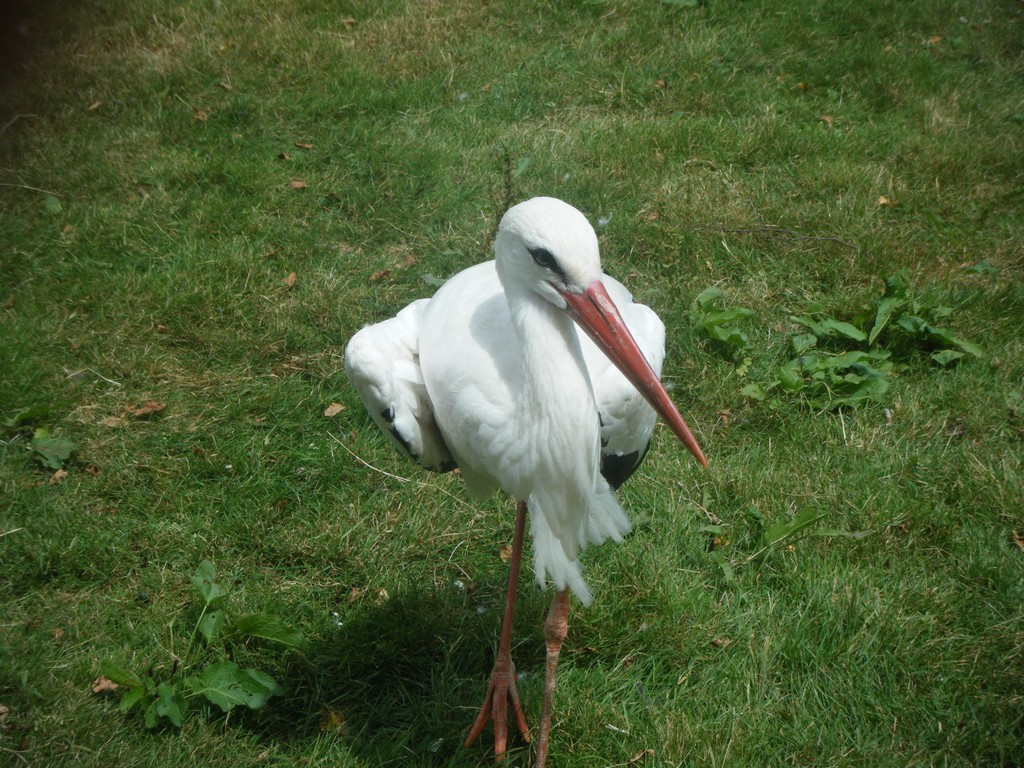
x,y
983,267
848,378
163,696
843,363
51,452
907,323
784,531
720,323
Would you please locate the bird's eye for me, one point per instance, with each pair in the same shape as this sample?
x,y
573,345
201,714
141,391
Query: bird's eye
x,y
543,258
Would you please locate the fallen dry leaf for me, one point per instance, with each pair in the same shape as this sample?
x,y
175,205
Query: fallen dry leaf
x,y
226,85
719,642
411,260
1018,539
933,40
505,553
828,120
298,184
4,712
112,421
333,410
381,274
95,105
93,470
103,685
303,145
284,156
58,634
201,116
885,200
58,476
290,280
660,83
348,22
640,756
144,411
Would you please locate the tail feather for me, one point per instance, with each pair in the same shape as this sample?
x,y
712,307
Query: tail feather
x,y
555,560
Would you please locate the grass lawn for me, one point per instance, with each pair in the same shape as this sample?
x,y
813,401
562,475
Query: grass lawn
x,y
201,201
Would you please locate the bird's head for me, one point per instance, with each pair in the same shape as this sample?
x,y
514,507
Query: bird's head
x,y
547,247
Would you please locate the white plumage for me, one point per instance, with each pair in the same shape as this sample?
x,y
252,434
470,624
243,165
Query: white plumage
x,y
491,374
449,378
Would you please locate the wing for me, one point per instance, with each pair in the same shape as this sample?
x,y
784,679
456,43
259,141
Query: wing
x,y
382,362
627,421
472,368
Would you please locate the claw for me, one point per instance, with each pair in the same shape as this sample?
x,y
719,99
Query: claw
x,y
501,690
502,696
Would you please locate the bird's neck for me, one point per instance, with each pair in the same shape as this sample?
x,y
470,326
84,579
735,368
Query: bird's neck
x,y
557,428
556,384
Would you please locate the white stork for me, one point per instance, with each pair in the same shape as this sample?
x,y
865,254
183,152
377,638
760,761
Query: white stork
x,y
491,375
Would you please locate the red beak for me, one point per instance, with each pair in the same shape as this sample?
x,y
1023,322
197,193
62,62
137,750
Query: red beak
x,y
596,313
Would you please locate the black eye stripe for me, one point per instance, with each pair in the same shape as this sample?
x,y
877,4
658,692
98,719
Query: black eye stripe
x,y
544,258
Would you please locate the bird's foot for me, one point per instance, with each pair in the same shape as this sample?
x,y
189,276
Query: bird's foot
x,y
555,629
502,696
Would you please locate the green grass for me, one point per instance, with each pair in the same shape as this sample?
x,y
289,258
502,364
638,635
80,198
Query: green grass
x,y
167,132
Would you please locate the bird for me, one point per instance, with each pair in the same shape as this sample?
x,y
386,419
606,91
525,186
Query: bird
x,y
493,375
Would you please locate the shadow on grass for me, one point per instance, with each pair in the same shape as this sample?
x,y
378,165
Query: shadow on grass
x,y
28,28
401,680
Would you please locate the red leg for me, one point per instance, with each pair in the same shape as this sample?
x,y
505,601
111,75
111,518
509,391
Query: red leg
x,y
501,691
556,627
